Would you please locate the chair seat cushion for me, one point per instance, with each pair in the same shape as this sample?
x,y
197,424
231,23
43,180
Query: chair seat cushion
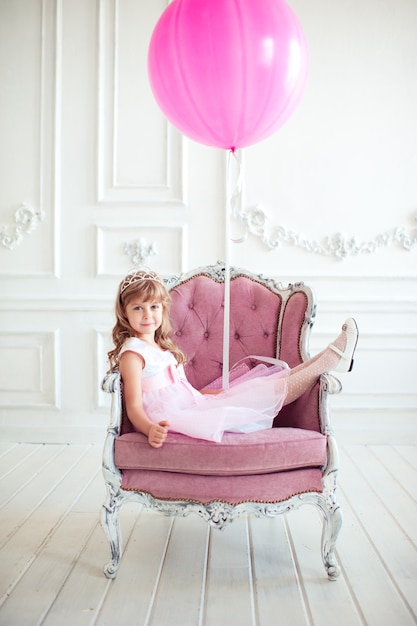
x,y
262,452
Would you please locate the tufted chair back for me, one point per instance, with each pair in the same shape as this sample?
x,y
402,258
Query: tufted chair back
x,y
265,319
197,318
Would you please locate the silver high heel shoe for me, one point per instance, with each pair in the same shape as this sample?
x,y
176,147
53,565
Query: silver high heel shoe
x,y
352,333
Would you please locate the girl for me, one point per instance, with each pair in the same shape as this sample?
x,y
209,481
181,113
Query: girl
x,y
159,397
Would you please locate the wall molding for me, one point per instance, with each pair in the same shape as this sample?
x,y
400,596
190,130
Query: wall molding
x,y
27,220
113,247
140,251
337,245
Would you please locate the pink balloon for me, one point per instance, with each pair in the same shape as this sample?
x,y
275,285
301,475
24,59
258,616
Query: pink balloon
x,y
228,73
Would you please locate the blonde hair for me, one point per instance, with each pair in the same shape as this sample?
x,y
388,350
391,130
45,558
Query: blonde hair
x,y
148,289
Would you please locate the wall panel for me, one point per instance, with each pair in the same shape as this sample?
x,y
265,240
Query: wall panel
x,y
30,48
140,156
28,369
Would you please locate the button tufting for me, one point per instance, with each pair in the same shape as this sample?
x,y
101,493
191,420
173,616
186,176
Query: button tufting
x,y
178,333
206,334
191,305
237,336
253,307
266,335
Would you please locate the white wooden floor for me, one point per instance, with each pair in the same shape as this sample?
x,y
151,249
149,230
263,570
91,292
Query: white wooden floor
x,y
180,573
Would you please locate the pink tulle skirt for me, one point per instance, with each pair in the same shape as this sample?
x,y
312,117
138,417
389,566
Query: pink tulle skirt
x,y
250,403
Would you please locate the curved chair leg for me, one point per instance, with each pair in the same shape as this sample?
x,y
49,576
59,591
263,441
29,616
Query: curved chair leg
x,y
111,525
332,524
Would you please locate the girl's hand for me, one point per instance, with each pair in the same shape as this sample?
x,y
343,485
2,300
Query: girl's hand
x,y
158,433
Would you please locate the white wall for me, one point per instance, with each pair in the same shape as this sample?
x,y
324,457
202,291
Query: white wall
x,y
84,145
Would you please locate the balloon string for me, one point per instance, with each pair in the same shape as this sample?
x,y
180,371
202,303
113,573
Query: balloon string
x,y
236,195
226,308
233,194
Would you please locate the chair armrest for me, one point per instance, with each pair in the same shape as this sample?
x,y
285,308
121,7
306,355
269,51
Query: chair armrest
x,y
112,475
333,384
110,381
111,384
329,385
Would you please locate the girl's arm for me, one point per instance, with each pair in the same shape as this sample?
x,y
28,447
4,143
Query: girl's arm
x,y
131,366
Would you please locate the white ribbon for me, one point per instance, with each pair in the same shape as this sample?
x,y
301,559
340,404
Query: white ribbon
x,y
232,196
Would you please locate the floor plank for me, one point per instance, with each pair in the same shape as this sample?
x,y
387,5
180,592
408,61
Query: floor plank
x,y
323,598
32,482
398,466
277,585
256,572
21,466
70,472
12,455
409,453
80,599
184,569
229,595
133,592
49,572
6,447
389,489
372,586
380,529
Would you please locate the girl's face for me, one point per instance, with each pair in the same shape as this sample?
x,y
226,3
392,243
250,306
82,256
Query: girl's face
x,y
144,317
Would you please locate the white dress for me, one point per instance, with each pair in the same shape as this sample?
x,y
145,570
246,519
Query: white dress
x,y
250,403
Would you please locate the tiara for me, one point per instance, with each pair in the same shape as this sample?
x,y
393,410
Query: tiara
x,y
135,276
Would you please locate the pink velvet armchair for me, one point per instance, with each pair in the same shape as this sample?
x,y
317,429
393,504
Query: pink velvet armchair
x,y
266,473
